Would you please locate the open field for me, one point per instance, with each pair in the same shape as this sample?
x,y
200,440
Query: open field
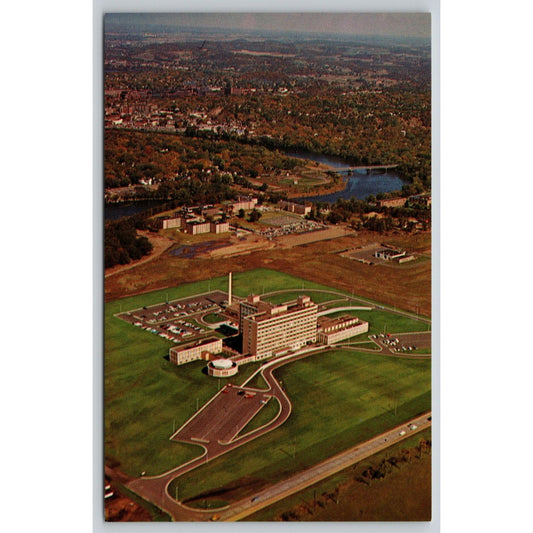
x,y
354,396
279,218
267,413
320,262
405,490
381,321
147,397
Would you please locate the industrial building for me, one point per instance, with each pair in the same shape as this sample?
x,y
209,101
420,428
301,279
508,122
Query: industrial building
x,y
269,330
332,330
390,254
194,351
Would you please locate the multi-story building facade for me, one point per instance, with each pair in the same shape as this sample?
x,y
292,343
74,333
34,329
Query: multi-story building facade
x,y
269,330
219,227
196,228
244,202
195,351
335,330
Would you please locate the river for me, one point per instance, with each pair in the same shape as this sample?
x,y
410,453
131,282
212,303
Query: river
x,y
359,183
127,209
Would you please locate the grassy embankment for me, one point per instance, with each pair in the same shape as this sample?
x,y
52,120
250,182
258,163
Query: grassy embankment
x,y
339,398
403,494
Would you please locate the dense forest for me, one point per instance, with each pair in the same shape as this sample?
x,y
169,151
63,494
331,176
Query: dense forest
x,y
122,245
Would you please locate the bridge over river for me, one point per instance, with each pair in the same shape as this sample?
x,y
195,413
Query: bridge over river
x,y
364,167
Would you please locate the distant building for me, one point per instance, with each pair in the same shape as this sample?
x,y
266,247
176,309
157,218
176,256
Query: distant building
x,y
335,330
195,351
197,228
172,223
392,202
269,330
293,207
421,199
244,202
389,254
219,227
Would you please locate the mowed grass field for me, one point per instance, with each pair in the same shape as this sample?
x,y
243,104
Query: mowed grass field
x,y
339,398
146,396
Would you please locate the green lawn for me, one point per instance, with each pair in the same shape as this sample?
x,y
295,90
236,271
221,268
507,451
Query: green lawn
x,y
380,321
369,345
331,483
265,415
339,398
214,318
146,396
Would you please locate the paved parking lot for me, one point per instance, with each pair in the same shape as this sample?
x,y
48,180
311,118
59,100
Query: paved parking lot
x,y
222,419
176,320
405,343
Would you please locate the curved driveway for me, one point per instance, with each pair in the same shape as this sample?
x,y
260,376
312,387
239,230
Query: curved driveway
x,y
155,489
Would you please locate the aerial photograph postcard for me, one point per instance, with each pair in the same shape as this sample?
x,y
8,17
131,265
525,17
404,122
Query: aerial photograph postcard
x,y
268,267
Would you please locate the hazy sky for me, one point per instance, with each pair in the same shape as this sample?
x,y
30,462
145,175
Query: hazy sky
x,y
404,24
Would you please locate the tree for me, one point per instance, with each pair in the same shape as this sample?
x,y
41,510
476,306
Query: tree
x,y
254,216
241,213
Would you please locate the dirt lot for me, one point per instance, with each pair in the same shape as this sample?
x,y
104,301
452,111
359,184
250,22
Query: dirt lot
x,y
317,261
122,509
288,241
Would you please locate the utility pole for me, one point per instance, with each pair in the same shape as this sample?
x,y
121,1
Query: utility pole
x,y
197,404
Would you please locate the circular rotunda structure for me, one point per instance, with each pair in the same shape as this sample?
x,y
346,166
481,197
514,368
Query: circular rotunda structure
x,y
222,368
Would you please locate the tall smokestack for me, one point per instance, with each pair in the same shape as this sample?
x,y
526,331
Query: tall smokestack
x,y
229,289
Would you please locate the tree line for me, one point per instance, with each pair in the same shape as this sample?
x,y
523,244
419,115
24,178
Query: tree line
x,y
121,243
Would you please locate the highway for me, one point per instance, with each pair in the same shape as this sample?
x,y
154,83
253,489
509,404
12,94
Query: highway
x,y
324,469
